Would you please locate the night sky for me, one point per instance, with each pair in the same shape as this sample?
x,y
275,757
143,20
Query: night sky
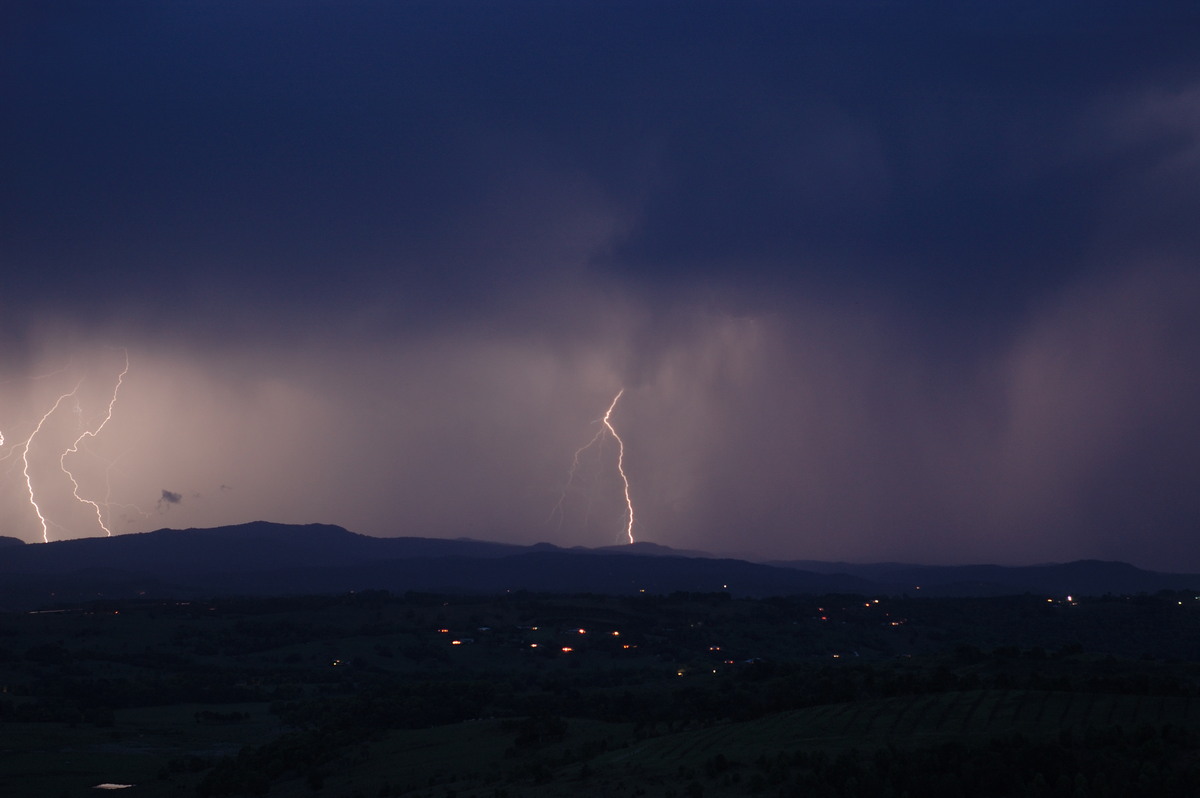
x,y
907,281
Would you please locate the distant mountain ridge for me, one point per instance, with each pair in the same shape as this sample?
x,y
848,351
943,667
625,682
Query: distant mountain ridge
x,y
1081,577
262,558
255,546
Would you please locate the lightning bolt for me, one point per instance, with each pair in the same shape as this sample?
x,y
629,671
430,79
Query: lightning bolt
x,y
26,446
621,462
25,459
608,428
74,447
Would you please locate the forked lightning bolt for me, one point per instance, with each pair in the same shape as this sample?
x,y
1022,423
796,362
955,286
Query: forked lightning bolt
x,y
621,462
608,427
74,448
25,460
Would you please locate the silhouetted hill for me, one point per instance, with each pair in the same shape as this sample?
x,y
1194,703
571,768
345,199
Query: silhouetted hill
x,y
256,546
649,549
262,558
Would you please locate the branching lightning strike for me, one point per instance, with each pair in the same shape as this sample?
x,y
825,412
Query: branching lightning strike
x,y
621,462
608,427
74,448
25,459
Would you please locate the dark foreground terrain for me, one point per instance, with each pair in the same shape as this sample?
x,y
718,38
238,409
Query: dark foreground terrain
x,y
373,694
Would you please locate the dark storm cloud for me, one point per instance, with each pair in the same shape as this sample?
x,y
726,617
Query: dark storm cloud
x,y
170,497
926,153
881,280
